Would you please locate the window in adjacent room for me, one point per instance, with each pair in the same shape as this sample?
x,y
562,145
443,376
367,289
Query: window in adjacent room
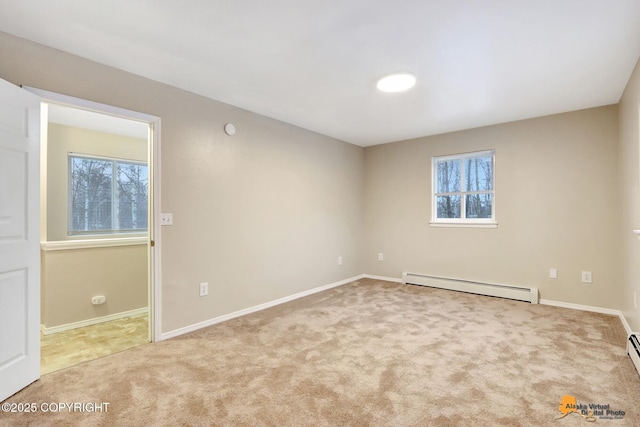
x,y
106,195
463,189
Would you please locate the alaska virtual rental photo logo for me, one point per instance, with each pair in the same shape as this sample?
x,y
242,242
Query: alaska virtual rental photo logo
x,y
590,412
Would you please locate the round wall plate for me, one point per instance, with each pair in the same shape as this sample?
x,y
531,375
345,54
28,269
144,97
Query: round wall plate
x,y
230,129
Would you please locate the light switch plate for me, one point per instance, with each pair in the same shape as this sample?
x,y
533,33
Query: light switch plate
x,y
204,289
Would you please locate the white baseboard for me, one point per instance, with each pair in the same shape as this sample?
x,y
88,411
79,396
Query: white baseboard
x,y
259,307
626,325
580,307
386,279
93,321
611,311
594,309
223,318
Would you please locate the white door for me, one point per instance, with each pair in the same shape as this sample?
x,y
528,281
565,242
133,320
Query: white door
x,y
19,239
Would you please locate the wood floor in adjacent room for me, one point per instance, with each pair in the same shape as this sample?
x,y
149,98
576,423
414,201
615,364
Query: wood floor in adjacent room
x,y
68,348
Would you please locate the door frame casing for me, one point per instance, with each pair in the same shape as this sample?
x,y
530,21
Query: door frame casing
x,y
154,235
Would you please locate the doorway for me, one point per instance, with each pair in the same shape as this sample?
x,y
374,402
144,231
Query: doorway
x,y
97,230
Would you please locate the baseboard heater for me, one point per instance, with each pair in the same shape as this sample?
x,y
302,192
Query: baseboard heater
x,y
633,350
491,289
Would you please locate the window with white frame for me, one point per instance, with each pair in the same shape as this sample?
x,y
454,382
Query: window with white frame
x,y
463,191
106,195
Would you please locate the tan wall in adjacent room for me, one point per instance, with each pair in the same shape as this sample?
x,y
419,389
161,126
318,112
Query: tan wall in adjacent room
x,y
557,206
74,276
69,278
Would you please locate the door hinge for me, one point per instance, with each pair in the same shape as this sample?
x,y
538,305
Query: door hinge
x,y
152,243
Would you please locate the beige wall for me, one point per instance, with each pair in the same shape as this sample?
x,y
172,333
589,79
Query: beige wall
x,y
265,214
72,277
629,120
557,206
64,139
260,215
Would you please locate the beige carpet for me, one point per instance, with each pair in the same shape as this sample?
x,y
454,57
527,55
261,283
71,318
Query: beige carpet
x,y
369,353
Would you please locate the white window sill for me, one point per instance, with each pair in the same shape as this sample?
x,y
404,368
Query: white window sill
x,y
637,232
65,245
465,224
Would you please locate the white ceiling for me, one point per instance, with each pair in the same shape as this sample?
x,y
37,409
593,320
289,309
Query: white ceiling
x,y
315,63
100,122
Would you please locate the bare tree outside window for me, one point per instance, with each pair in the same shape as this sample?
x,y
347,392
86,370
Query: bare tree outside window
x,y
133,184
448,185
479,176
107,195
463,187
91,194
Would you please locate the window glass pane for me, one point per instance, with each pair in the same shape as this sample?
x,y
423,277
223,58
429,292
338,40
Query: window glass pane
x,y
90,195
478,205
448,179
448,206
479,173
100,202
133,184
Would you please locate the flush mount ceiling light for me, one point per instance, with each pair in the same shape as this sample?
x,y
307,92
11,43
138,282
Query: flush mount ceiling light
x,y
397,82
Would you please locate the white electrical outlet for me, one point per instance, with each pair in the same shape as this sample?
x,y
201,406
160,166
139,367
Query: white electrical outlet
x,y
204,289
380,256
99,299
339,260
586,277
166,219
553,273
